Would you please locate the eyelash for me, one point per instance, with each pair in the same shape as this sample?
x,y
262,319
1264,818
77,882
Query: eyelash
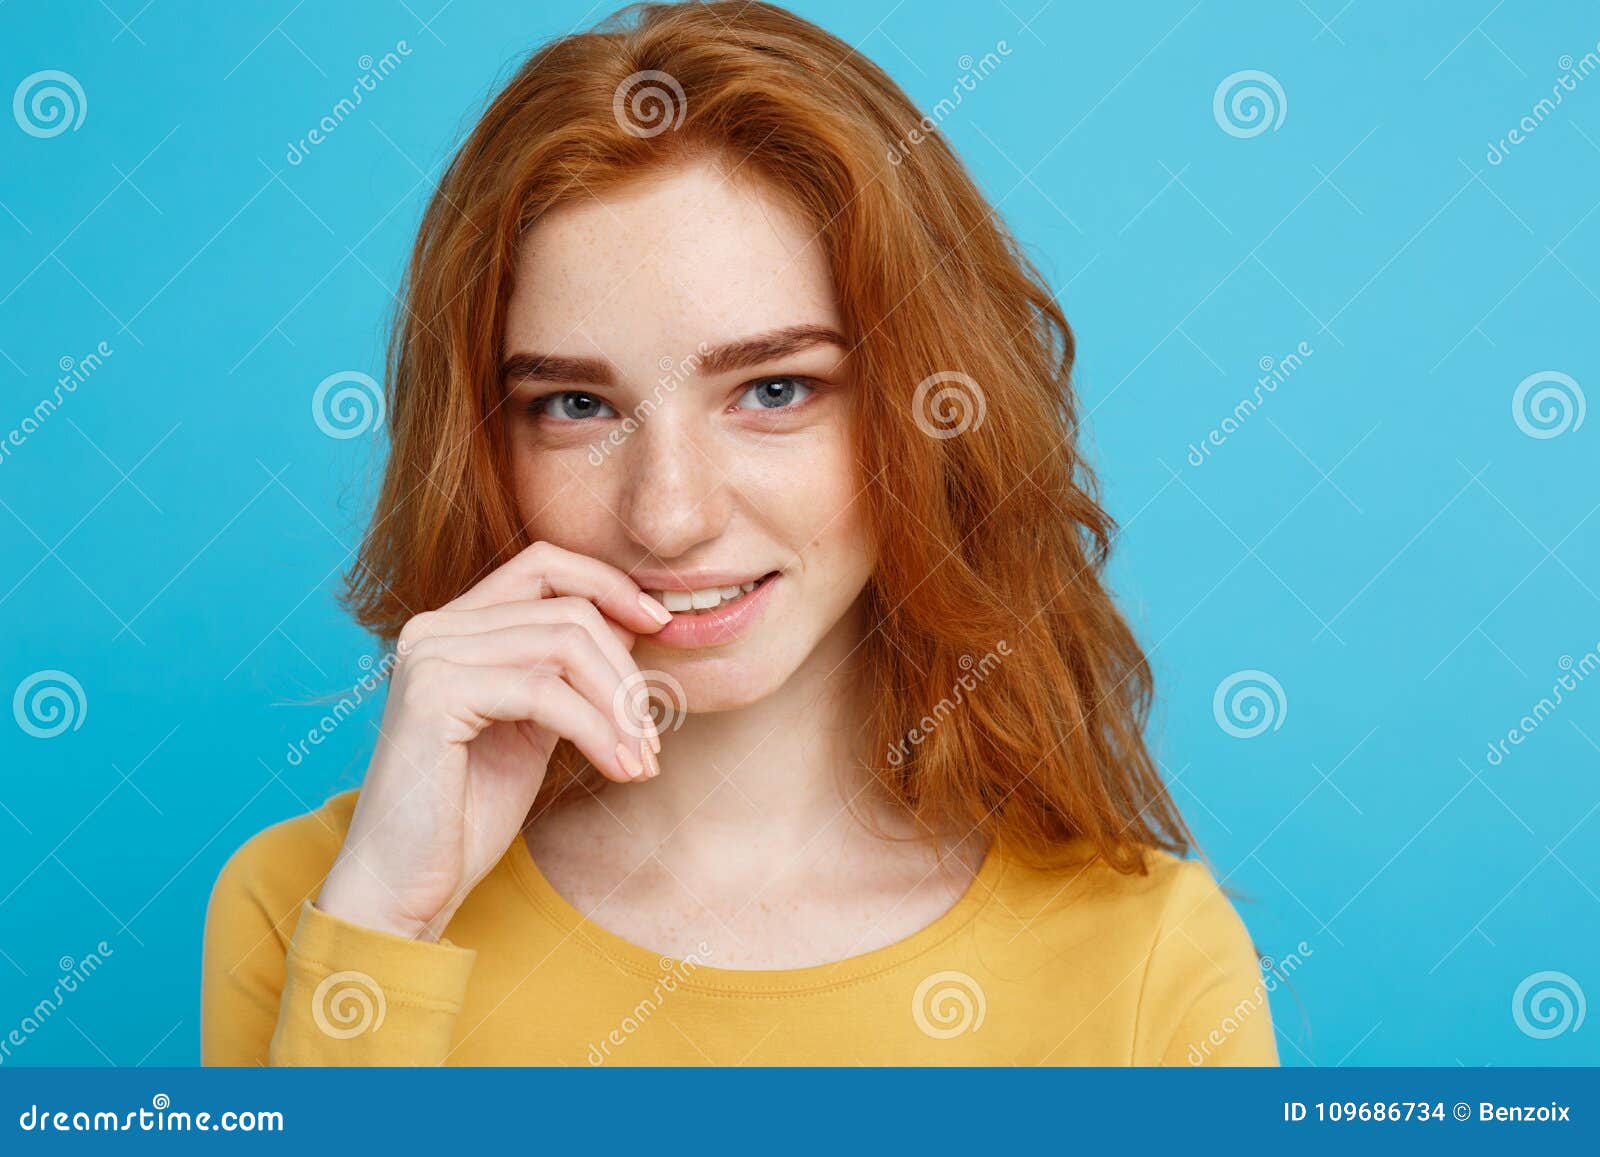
x,y
538,407
808,384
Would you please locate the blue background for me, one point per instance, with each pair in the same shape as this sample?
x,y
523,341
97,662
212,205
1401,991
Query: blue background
x,y
1380,536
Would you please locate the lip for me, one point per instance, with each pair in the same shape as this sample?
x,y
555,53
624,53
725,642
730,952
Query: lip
x,y
722,624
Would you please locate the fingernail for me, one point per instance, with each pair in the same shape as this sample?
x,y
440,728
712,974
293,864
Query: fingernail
x,y
654,737
655,610
653,766
630,761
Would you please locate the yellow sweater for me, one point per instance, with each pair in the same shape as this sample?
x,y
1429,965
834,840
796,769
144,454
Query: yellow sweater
x,y
1074,966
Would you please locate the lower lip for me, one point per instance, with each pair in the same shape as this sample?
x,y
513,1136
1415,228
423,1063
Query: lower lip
x,y
723,624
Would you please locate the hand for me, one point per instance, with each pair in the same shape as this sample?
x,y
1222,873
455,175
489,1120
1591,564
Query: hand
x,y
485,686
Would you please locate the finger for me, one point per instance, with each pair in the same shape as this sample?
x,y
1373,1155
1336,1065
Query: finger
x,y
569,611
545,571
451,621
564,649
510,694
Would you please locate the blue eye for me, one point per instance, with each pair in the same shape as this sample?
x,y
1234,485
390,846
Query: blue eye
x,y
572,406
774,394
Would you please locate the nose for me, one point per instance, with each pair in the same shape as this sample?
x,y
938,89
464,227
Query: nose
x,y
674,492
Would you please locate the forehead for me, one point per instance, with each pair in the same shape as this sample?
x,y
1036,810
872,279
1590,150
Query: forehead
x,y
682,257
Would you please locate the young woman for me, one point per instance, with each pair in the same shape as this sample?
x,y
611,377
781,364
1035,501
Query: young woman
x,y
756,697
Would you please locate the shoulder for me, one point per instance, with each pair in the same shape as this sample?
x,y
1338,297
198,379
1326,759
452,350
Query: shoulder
x,y
1085,890
275,869
1164,947
1171,928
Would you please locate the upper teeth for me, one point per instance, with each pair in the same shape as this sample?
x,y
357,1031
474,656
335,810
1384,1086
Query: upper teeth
x,y
678,601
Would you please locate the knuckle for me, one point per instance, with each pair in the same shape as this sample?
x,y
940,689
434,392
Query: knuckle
x,y
570,637
589,615
537,561
418,627
539,685
422,648
525,692
580,611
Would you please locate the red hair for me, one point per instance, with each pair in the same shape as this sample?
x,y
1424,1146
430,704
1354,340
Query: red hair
x,y
991,542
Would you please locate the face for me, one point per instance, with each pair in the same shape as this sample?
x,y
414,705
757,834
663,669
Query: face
x,y
679,408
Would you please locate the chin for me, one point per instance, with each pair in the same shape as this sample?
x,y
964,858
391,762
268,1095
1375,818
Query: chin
x,y
703,683
761,663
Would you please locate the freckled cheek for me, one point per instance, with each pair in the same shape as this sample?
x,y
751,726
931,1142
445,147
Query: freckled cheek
x,y
806,494
553,500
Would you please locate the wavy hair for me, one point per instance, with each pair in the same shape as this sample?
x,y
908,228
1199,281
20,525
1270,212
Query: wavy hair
x,y
990,535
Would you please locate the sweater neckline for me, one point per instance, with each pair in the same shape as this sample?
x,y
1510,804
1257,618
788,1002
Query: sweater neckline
x,y
696,975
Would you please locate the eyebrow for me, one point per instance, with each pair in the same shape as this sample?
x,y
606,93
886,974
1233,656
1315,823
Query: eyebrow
x,y
735,355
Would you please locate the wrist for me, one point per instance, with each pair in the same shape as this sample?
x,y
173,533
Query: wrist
x,y
347,896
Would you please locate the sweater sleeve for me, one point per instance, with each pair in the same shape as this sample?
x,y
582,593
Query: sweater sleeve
x,y
284,983
1203,1001
355,996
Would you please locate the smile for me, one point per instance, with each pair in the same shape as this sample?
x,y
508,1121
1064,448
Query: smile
x,y
706,599
713,615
